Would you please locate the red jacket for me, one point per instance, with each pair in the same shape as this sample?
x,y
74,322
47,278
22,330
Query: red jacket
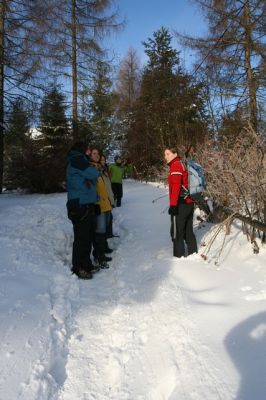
x,y
178,177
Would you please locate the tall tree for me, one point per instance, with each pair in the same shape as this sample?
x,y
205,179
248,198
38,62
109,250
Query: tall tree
x,y
16,146
128,81
81,27
2,33
126,92
232,53
53,141
169,109
23,33
101,106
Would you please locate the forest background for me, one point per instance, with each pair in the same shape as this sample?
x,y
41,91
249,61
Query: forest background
x,y
60,83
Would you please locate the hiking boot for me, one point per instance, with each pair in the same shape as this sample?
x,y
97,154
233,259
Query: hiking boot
x,y
94,268
102,257
82,273
105,258
101,263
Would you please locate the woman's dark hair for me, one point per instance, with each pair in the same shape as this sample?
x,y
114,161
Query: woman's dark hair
x,y
173,149
96,148
188,151
80,146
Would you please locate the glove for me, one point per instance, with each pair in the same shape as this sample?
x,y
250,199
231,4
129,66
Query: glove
x,y
97,209
173,210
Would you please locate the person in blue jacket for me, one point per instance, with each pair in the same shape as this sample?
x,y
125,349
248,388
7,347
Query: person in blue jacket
x,y
81,207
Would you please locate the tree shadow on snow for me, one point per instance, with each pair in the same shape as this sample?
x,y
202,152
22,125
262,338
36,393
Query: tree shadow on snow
x,y
246,344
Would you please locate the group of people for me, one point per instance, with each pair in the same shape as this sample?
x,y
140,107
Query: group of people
x,y
93,191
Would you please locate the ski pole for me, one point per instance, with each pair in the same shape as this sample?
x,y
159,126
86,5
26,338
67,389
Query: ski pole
x,y
158,198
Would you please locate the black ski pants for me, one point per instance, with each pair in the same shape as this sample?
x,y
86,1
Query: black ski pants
x,y
83,236
117,189
182,230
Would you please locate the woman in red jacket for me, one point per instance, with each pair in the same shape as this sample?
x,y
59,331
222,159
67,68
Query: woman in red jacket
x,y
181,205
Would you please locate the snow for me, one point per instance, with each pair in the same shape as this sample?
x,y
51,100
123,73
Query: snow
x,y
152,327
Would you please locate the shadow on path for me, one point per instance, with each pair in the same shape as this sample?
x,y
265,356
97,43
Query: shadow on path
x,y
246,344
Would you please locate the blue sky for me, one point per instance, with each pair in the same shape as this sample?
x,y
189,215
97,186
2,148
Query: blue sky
x,y
144,17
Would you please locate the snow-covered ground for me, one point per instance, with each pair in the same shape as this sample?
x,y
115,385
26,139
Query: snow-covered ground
x,y
150,328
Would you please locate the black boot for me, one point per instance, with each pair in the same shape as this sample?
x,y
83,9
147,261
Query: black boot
x,y
103,264
107,248
82,273
94,268
106,258
99,256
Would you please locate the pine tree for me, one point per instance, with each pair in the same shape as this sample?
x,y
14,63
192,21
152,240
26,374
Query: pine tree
x,y
101,107
23,31
16,147
169,110
53,142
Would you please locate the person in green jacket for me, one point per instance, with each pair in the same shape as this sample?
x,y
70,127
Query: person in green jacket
x,y
116,176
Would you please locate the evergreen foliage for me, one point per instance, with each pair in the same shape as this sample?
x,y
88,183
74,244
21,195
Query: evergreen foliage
x,y
54,141
170,108
16,147
101,107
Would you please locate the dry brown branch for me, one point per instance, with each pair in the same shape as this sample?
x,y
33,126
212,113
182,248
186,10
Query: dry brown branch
x,y
236,178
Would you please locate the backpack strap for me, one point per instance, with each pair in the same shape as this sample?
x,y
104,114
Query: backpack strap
x,y
184,193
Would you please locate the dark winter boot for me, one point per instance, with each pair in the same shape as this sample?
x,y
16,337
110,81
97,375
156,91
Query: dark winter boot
x,y
107,248
103,265
94,268
82,273
99,254
106,258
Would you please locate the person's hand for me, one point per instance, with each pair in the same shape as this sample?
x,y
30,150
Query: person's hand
x,y
173,210
88,183
97,209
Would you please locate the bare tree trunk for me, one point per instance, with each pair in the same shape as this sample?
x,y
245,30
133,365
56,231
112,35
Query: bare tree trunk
x,y
74,73
2,13
248,66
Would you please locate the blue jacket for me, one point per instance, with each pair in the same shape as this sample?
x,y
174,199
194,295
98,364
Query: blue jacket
x,y
81,179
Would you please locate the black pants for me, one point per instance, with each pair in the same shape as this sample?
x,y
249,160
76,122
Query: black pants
x,y
182,230
117,189
83,236
109,230
99,242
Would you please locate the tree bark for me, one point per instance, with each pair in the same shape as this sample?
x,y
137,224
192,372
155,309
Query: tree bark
x,y
249,71
2,18
252,222
224,213
74,73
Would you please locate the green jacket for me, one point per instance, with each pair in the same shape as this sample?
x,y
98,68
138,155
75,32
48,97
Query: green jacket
x,y
116,172
129,171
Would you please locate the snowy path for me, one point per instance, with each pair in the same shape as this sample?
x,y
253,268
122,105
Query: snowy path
x,y
149,328
141,343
